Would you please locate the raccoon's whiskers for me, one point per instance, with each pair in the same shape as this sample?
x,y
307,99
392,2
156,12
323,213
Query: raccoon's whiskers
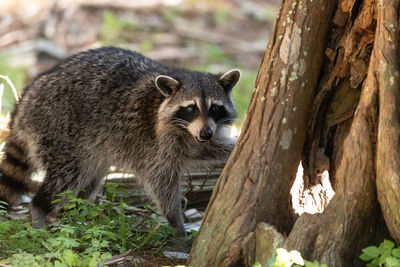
x,y
180,121
224,120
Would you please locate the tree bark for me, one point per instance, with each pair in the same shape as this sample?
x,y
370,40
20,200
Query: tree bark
x,y
266,157
387,76
353,216
335,236
327,93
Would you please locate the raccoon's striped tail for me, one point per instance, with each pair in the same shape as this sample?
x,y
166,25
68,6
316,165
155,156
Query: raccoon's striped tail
x,y
15,172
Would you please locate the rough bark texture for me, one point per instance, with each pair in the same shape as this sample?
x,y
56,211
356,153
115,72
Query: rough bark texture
x,y
260,245
338,113
348,53
353,219
335,236
387,78
266,157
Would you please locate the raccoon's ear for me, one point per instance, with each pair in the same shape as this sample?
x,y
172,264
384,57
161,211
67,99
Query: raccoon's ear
x,y
167,85
229,79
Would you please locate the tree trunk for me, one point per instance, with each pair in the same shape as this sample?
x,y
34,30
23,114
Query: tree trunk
x,y
388,152
327,93
246,192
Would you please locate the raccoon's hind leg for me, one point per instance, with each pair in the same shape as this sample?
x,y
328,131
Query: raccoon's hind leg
x,y
62,174
15,172
57,180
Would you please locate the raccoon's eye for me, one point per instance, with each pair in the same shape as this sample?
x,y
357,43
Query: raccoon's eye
x,y
218,113
215,108
191,108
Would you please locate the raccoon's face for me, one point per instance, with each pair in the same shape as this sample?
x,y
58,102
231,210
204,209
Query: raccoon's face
x,y
199,103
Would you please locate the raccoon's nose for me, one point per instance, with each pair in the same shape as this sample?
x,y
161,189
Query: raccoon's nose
x,y
206,134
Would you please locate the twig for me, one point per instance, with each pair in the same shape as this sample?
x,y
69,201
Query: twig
x,y
12,86
117,258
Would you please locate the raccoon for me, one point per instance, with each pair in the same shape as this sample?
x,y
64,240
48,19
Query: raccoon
x,y
112,106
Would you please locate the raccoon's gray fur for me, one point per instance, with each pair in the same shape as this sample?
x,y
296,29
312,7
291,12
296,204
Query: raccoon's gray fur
x,y
111,106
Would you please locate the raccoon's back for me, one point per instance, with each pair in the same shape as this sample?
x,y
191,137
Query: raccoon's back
x,y
89,96
85,85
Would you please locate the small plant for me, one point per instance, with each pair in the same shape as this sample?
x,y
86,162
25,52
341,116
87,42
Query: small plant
x,y
3,207
292,258
286,258
194,233
85,235
384,255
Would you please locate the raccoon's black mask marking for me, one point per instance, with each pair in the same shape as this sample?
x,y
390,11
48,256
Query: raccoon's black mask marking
x,y
188,113
219,114
216,112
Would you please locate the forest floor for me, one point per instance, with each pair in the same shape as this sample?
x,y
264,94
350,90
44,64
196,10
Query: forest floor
x,y
212,36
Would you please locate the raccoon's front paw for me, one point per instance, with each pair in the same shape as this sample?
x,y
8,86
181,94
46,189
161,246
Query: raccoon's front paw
x,y
181,232
186,243
38,217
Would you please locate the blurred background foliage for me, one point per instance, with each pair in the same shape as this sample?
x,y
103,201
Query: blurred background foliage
x,y
206,35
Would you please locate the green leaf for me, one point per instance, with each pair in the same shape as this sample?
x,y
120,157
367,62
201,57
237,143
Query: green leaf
x,y
372,251
386,245
365,257
71,258
194,233
56,201
313,264
59,264
396,252
95,260
386,254
69,206
392,262
375,262
106,255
